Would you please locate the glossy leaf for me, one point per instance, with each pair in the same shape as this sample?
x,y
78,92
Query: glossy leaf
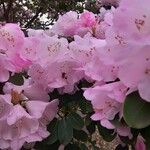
x,y
80,135
76,121
53,128
65,131
83,147
91,127
72,147
146,135
136,111
85,106
108,135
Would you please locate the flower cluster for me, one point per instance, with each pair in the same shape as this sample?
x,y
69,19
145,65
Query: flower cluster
x,y
25,110
110,50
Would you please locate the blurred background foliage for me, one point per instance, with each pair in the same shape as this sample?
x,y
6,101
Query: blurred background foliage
x,y
41,13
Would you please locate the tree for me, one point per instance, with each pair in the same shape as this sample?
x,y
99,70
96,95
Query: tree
x,y
29,13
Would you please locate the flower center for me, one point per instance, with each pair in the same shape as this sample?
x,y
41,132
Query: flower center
x,y
17,98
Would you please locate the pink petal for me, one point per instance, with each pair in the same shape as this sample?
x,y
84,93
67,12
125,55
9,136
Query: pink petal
x,y
144,89
107,124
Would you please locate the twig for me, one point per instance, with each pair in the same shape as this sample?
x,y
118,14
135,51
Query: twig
x,y
33,18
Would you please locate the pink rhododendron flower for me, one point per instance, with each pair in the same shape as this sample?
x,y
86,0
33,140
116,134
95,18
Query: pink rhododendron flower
x,y
11,44
140,145
139,74
5,106
65,74
87,22
83,49
5,67
71,24
23,119
51,49
56,75
55,67
29,50
87,19
128,46
111,50
107,101
105,21
124,131
67,24
36,33
85,53
137,26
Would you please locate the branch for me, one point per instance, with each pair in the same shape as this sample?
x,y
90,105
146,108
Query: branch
x,y
8,10
33,18
4,9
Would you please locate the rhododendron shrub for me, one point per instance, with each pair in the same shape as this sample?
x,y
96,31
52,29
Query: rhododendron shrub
x,y
88,73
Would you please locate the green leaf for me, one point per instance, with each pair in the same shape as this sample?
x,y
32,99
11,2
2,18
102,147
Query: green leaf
x,y
72,147
80,135
76,121
17,79
126,140
108,135
65,131
91,127
83,147
117,122
53,128
86,106
136,111
146,135
87,120
43,146
67,100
